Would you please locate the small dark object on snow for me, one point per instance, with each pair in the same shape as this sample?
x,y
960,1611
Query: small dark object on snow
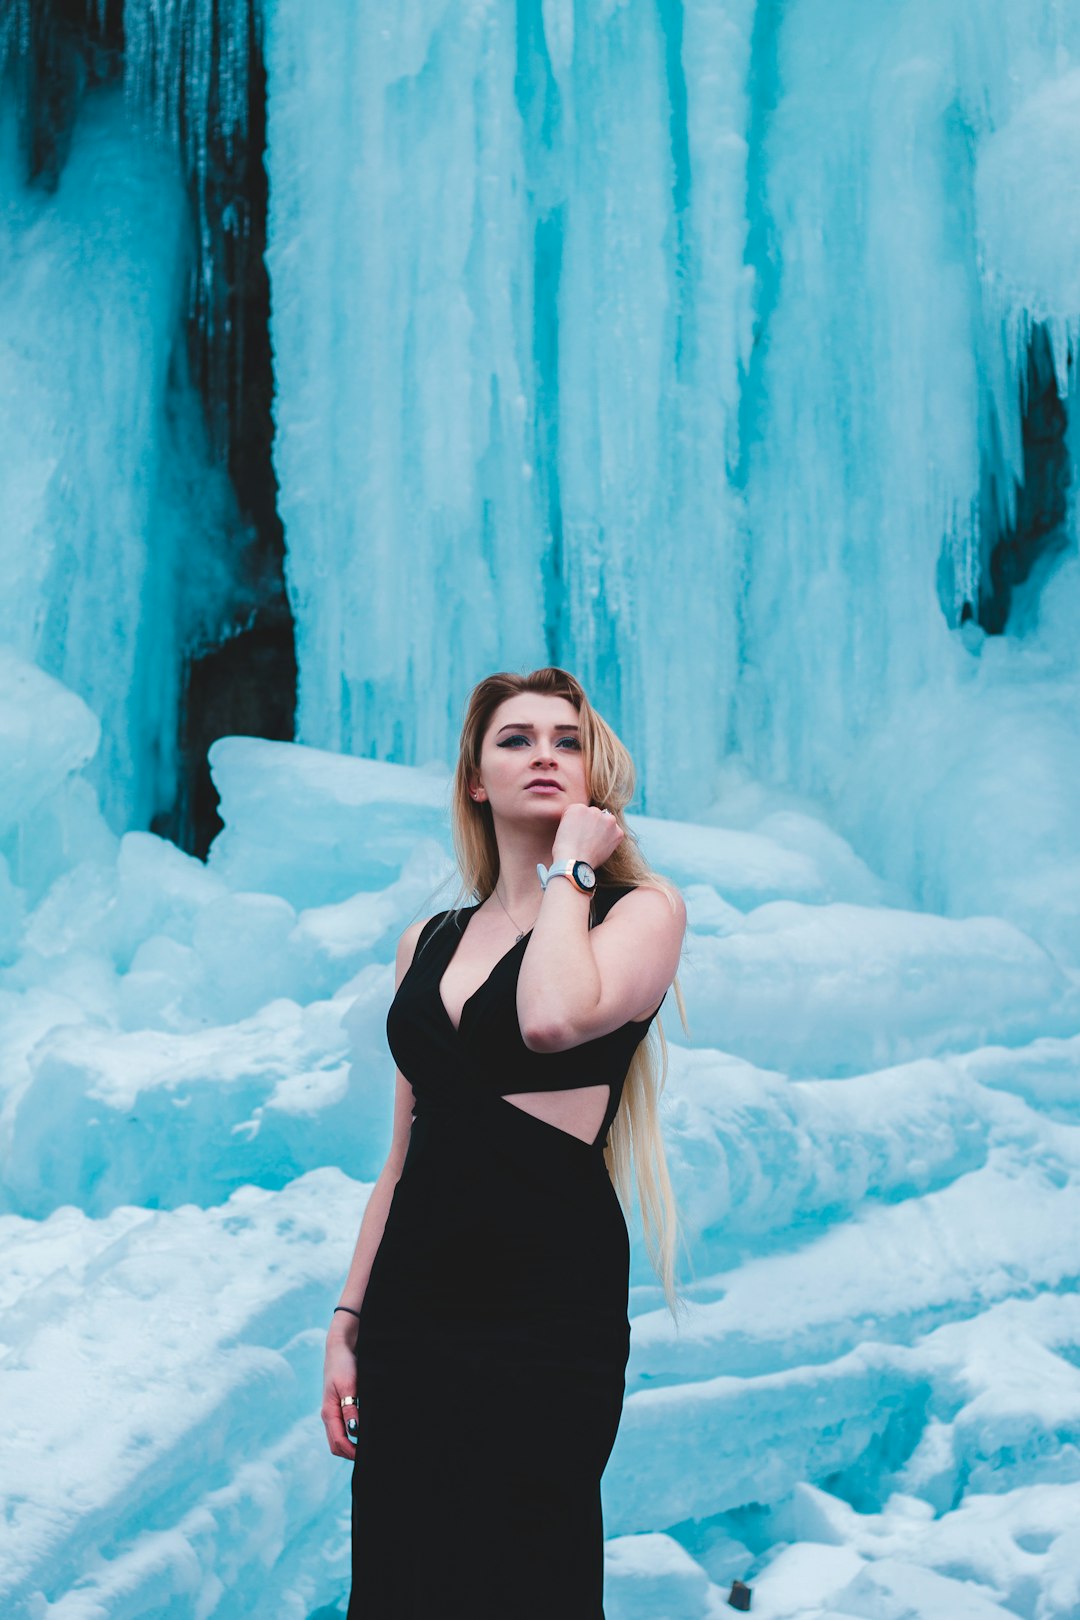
x,y
739,1597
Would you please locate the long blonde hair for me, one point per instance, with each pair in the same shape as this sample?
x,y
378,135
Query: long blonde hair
x,y
635,1138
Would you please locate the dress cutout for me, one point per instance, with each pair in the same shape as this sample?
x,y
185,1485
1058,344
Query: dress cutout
x,y
493,1336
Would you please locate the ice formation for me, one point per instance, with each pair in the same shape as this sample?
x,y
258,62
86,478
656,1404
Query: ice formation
x,y
687,345
875,1140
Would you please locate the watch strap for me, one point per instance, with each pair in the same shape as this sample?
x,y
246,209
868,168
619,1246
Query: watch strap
x,y
559,869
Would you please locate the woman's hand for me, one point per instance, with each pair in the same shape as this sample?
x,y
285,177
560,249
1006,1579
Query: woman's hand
x,y
586,834
339,1380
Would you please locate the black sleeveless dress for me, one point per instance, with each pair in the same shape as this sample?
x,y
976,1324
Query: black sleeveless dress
x,y
493,1336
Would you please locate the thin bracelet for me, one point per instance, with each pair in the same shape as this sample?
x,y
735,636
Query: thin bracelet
x,y
345,1308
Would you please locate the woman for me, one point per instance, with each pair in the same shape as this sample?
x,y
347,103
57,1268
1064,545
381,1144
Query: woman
x,y
480,1347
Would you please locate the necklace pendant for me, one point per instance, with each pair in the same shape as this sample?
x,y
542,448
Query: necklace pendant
x,y
521,935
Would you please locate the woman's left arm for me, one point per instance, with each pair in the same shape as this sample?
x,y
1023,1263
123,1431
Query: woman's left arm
x,y
578,983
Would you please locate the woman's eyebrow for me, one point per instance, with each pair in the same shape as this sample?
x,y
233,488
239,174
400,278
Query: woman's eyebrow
x,y
525,725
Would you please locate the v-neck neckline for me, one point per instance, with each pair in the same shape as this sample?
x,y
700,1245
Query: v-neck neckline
x,y
483,984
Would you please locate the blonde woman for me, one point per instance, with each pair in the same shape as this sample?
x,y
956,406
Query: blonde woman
x,y
475,1368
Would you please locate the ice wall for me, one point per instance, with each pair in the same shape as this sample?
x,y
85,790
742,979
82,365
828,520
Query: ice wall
x,y
678,344
89,293
906,175
403,344
112,541
119,531
506,334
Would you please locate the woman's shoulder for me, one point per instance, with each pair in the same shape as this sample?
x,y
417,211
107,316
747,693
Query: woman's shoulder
x,y
412,937
650,896
610,892
419,932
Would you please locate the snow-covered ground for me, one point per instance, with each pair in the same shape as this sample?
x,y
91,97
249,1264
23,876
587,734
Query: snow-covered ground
x,y
873,1406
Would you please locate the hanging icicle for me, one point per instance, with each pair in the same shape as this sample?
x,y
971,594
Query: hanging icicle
x,y
189,62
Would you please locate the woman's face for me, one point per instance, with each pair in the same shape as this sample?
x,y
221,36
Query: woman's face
x,y
532,739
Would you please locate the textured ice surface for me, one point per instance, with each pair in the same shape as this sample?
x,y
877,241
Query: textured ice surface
x,y
873,1406
89,294
695,336
47,734
98,441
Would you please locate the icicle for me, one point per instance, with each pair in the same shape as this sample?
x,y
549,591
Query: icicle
x,y
558,16
187,60
961,528
14,29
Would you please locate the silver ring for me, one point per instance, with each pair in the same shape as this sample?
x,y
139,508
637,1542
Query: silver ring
x,y
348,1400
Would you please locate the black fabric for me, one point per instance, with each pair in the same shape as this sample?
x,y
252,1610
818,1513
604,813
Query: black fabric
x,y
493,1336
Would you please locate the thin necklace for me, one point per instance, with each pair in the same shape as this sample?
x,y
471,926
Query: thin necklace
x,y
521,931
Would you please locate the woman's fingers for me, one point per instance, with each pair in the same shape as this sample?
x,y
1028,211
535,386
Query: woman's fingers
x,y
351,1422
339,1383
336,1421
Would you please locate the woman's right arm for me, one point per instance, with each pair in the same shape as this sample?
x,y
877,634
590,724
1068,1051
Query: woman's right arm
x,y
339,1368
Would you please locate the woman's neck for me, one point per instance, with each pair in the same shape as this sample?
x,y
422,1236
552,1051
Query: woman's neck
x,y
518,884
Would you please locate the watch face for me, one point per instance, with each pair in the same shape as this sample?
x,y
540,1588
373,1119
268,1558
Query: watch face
x,y
584,874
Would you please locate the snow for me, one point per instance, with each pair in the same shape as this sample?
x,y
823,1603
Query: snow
x,y
48,733
157,1380
874,1399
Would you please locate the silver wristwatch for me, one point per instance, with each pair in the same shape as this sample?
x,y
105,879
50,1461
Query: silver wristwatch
x,y
580,874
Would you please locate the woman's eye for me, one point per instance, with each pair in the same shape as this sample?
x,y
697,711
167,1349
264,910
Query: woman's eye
x,y
520,737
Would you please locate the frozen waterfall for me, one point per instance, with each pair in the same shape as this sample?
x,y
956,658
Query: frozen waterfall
x,y
726,354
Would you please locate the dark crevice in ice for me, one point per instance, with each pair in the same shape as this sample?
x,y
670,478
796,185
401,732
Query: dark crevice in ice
x,y
1014,551
245,684
57,49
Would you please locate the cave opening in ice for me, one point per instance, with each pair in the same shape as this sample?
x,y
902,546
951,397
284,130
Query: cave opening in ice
x,y
1026,534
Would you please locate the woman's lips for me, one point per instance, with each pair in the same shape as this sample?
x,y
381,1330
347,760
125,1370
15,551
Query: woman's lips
x,y
543,787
